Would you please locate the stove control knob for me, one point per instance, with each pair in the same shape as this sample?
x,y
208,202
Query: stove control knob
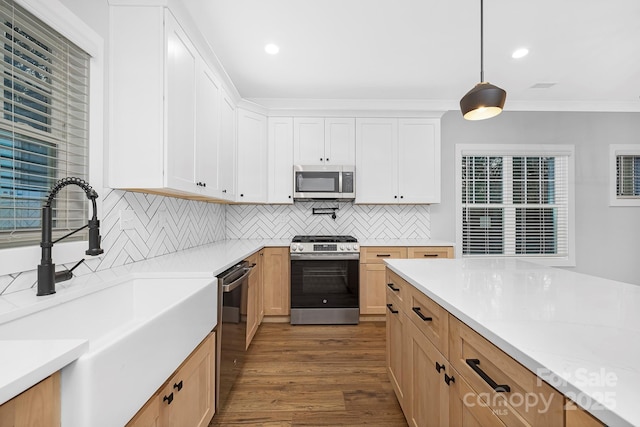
x,y
355,247
342,247
300,247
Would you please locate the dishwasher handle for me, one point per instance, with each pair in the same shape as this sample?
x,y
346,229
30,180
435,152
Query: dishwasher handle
x,y
228,287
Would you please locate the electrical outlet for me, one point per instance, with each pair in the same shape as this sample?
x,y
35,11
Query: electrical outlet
x,y
127,219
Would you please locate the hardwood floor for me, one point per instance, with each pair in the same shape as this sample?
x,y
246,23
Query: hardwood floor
x,y
309,375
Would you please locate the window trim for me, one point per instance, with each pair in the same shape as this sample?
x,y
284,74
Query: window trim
x,y
520,150
59,17
616,150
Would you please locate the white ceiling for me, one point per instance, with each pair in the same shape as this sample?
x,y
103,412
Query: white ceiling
x,y
430,49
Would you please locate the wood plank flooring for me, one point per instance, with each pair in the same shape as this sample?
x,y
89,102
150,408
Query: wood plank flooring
x,y
309,375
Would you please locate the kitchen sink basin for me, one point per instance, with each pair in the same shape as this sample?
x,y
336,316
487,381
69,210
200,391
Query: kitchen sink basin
x,y
139,331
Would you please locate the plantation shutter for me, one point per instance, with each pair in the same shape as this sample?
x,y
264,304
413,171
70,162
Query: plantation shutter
x,y
44,125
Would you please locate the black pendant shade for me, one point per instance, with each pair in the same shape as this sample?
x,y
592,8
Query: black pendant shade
x,y
484,100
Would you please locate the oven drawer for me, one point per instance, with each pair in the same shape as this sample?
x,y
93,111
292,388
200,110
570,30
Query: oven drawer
x,y
513,392
377,254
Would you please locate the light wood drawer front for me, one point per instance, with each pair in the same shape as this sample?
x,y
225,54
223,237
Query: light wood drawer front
x,y
398,288
525,397
430,252
431,319
377,254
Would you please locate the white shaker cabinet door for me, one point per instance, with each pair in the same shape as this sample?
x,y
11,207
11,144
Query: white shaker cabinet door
x,y
419,160
340,141
280,154
207,132
179,108
228,145
252,157
308,140
376,160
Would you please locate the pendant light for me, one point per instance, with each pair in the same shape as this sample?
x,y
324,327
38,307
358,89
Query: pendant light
x,y
484,100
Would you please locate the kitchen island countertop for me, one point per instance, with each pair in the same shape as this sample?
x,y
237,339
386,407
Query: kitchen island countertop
x,y
579,333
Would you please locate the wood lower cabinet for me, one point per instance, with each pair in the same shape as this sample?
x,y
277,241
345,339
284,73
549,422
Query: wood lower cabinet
x,y
188,397
372,271
255,304
451,375
578,417
427,393
38,406
276,284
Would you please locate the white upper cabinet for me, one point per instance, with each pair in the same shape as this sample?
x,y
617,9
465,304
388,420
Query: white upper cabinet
x,y
180,142
167,128
280,165
320,141
228,145
252,157
398,161
340,141
376,160
207,132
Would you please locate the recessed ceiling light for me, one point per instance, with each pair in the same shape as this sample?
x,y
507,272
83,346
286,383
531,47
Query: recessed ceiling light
x,y
271,49
520,53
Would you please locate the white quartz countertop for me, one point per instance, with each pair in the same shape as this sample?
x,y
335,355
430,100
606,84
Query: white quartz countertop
x,y
25,363
579,333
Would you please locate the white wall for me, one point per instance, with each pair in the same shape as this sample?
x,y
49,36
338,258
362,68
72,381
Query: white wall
x,y
607,238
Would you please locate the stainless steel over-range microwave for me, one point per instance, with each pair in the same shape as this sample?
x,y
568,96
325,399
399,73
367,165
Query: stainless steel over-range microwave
x,y
324,182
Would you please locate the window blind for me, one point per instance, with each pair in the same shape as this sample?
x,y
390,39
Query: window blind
x,y
515,205
628,176
43,126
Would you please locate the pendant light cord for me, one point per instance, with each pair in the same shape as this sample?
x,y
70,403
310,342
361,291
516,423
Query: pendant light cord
x,y
481,42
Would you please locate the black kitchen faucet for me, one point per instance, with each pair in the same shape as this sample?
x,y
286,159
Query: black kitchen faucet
x,y
47,276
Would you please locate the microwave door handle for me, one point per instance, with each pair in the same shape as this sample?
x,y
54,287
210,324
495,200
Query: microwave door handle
x,y
339,182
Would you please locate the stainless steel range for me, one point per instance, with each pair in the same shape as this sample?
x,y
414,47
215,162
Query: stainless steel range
x,y
325,280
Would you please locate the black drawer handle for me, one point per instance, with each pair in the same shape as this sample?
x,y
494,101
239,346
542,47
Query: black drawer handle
x,y
390,307
473,363
431,255
440,367
168,399
178,385
390,285
449,379
417,311
383,255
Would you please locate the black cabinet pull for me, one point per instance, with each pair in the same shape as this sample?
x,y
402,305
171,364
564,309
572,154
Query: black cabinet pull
x,y
431,255
473,363
395,197
241,195
449,379
390,307
417,311
320,158
439,367
390,285
289,196
224,191
402,197
383,255
168,399
327,159
204,184
178,385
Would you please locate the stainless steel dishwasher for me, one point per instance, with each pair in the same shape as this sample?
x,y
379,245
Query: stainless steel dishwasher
x,y
232,320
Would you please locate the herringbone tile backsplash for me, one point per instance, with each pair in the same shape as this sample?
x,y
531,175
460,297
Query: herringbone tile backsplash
x,y
159,225
361,221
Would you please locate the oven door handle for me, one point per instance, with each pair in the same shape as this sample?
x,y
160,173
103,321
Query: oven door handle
x,y
231,286
325,257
